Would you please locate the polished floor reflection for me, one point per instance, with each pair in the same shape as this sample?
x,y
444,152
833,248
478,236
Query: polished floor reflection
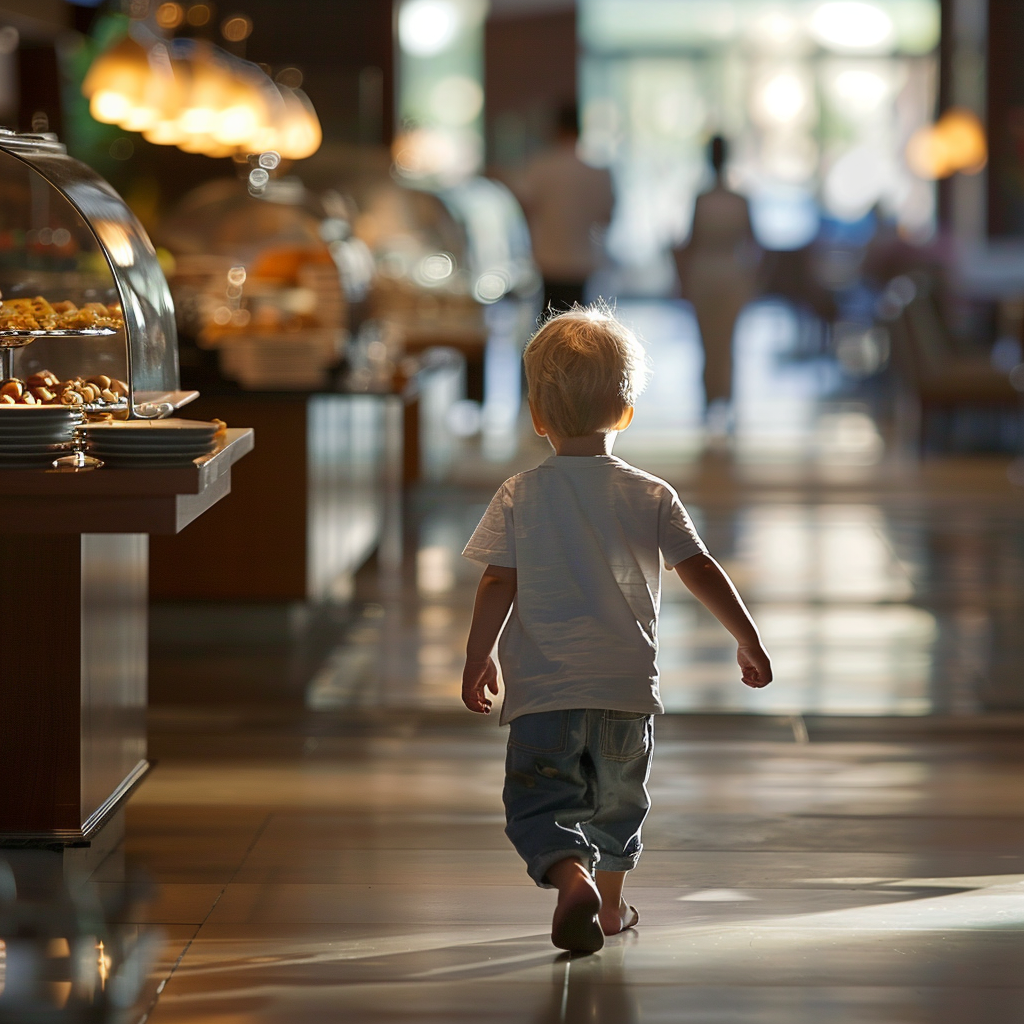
x,y
353,868
899,603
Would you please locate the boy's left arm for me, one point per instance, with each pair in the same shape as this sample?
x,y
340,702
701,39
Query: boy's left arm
x,y
494,598
709,583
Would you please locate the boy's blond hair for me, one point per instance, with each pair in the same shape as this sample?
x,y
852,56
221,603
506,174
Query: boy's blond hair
x,y
584,369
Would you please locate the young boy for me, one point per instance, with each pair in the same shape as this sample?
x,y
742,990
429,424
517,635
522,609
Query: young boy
x,y
572,548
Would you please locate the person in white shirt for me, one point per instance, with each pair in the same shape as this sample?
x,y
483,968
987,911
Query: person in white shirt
x,y
718,273
574,550
568,204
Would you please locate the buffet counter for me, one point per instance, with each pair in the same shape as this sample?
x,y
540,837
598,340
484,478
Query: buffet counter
x,y
311,504
93,459
148,501
73,607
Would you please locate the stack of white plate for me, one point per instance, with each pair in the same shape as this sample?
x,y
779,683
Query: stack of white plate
x,y
32,436
150,444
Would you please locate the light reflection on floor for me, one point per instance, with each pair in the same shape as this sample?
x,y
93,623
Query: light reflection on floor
x,y
829,595
365,878
835,615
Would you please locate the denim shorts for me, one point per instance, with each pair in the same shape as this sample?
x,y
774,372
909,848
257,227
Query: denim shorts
x,y
576,786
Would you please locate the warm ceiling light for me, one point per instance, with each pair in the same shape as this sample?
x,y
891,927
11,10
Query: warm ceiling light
x,y
201,100
852,26
109,106
238,123
208,95
300,134
117,81
166,132
964,136
161,99
927,156
956,144
237,28
170,16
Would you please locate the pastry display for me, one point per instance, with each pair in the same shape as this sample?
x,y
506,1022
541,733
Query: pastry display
x,y
37,314
46,388
259,283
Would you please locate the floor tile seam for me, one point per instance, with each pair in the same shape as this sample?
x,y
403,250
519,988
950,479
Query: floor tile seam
x,y
167,977
199,928
633,984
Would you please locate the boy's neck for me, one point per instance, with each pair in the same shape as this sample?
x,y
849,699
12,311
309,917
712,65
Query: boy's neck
x,y
598,443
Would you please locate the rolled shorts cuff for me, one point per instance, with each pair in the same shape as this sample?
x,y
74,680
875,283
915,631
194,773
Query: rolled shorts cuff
x,y
537,869
609,862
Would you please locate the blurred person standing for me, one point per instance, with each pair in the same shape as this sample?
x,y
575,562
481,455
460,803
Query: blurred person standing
x,y
717,274
568,204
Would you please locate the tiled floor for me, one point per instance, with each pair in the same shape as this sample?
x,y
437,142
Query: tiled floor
x,y
847,845
367,879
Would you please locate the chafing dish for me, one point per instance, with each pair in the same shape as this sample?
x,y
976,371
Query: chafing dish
x,y
65,234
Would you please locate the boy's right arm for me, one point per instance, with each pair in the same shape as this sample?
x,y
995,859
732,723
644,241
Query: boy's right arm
x,y
709,583
494,597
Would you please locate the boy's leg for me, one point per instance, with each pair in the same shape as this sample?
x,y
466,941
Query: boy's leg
x,y
576,924
616,914
621,745
547,793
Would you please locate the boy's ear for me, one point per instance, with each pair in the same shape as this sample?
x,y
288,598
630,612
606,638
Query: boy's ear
x,y
625,419
538,426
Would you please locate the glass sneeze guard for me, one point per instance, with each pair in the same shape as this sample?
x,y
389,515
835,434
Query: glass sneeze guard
x,y
66,234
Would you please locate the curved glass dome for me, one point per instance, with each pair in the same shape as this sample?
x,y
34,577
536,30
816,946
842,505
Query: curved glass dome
x,y
66,235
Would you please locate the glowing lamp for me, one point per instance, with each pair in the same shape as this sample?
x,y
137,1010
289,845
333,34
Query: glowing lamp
x,y
299,134
208,93
956,143
202,102
123,69
237,124
964,138
109,106
166,132
116,83
264,139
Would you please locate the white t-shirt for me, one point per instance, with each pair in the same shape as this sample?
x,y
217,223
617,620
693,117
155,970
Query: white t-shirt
x,y
565,200
583,534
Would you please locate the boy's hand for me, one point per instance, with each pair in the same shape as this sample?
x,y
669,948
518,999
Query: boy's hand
x,y
756,665
477,678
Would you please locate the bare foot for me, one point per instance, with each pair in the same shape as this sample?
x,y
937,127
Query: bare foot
x,y
575,924
617,919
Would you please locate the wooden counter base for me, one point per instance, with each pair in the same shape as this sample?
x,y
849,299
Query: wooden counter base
x,y
73,615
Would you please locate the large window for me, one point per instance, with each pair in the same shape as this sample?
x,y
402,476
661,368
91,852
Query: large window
x,y
818,98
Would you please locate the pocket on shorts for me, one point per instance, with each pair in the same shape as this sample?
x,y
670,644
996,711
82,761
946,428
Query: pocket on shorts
x,y
625,735
546,732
